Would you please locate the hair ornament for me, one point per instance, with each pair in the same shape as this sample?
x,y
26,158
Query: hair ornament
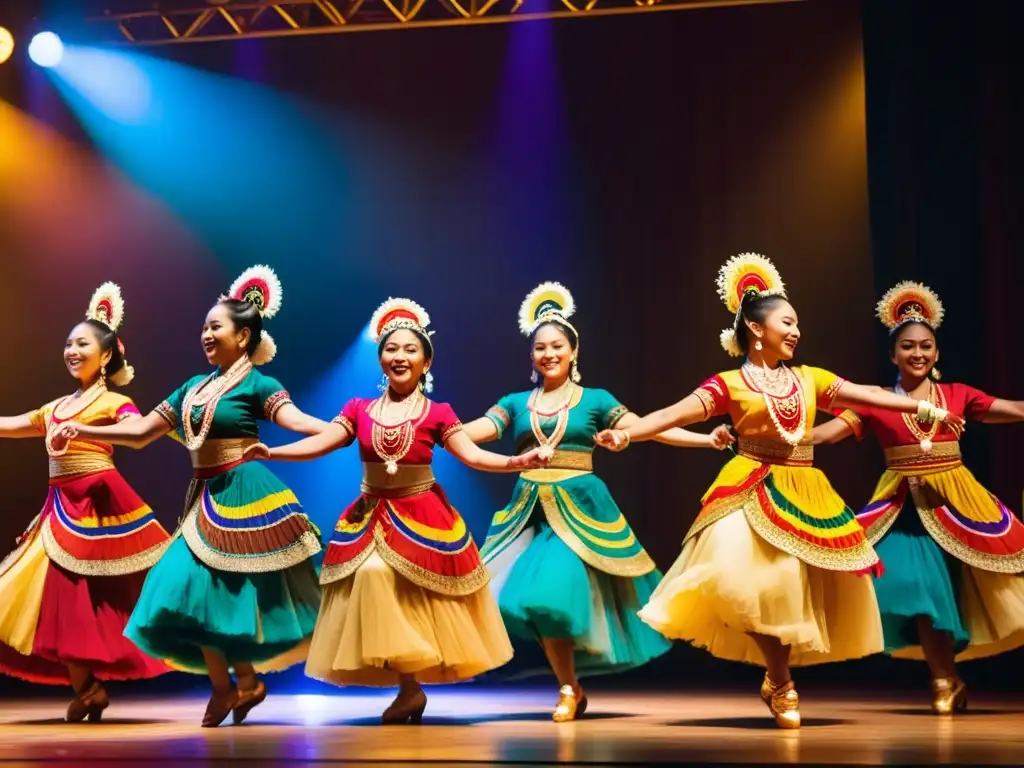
x,y
910,302
260,287
395,314
742,275
747,273
548,301
107,306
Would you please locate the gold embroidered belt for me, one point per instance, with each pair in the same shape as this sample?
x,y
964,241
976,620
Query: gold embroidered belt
x,y
214,454
910,457
563,465
776,452
79,464
408,481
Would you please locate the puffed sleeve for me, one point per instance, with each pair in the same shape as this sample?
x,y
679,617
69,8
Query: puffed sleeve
x,y
348,417
714,396
502,413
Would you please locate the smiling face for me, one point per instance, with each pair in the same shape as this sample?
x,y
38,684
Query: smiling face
x,y
82,353
552,353
222,341
403,360
915,351
778,331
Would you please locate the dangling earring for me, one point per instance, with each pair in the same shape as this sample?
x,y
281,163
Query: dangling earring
x,y
757,345
533,375
383,386
427,384
574,372
103,375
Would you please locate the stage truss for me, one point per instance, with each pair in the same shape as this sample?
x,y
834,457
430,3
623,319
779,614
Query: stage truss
x,y
145,22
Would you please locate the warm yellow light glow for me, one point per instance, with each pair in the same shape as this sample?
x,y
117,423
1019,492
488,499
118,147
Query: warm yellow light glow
x,y
6,44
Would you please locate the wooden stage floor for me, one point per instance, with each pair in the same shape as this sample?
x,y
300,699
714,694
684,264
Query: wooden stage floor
x,y
468,725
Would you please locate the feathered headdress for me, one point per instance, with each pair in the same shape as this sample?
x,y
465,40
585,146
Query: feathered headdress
x,y
107,306
550,302
747,273
396,314
260,287
910,302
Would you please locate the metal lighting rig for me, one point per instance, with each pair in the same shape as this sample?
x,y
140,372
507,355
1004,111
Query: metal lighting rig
x,y
145,22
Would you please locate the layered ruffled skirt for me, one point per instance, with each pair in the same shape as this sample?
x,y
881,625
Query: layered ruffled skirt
x,y
56,605
982,608
264,617
404,593
756,562
546,590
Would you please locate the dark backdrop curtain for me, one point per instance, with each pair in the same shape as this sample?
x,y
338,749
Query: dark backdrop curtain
x,y
946,187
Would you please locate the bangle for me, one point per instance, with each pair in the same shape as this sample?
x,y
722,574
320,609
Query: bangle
x,y
940,414
926,412
625,433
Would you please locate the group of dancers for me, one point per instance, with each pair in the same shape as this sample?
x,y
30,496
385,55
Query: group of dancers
x,y
776,570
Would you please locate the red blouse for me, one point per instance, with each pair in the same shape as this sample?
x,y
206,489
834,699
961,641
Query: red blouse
x,y
435,423
891,429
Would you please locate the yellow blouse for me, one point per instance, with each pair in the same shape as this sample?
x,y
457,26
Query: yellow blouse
x,y
732,393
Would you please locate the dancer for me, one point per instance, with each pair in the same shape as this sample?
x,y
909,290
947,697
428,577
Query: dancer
x,y
954,553
769,570
67,590
236,589
566,567
405,594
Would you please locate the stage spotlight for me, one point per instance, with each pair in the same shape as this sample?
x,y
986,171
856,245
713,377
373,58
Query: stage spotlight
x,y
6,44
46,49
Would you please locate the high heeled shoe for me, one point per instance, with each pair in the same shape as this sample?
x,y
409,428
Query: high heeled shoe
x,y
405,709
246,700
783,702
572,703
90,703
949,695
219,707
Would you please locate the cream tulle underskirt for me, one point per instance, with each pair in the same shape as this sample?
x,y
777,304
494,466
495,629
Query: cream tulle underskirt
x,y
375,625
728,583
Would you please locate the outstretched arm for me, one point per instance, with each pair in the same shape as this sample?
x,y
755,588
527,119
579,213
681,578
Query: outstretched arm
x,y
687,411
134,432
331,439
469,453
1004,412
291,417
851,395
481,430
721,437
17,426
834,431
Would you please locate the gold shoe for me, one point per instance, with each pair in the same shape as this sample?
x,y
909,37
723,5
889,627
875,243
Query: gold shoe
x,y
949,694
783,702
568,704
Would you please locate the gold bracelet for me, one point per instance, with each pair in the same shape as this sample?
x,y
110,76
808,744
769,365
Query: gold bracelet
x,y
625,432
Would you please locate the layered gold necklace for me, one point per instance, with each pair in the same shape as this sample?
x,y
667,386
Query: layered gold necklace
x,y
75,405
936,398
783,394
561,398
205,395
392,442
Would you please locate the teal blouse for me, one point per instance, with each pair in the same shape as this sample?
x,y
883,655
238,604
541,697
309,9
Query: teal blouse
x,y
575,502
239,411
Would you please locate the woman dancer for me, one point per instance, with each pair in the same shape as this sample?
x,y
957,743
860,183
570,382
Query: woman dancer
x,y
566,567
953,551
405,594
236,589
769,570
68,589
